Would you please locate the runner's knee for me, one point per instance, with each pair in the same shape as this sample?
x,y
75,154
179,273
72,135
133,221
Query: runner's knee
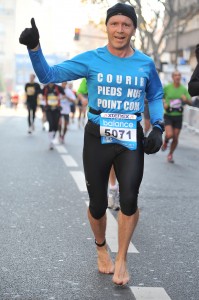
x,y
129,206
97,212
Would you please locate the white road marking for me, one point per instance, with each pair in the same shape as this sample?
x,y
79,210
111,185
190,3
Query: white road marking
x,y
79,178
69,161
149,293
112,234
61,149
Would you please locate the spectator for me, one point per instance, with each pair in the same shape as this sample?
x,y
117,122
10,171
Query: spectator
x,y
193,85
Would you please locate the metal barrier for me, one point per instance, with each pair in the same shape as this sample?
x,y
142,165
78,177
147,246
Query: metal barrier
x,y
191,118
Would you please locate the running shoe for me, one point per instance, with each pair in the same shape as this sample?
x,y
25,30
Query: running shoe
x,y
51,146
170,158
116,205
29,130
113,199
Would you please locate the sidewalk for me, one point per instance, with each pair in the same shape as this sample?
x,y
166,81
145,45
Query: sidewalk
x,y
189,138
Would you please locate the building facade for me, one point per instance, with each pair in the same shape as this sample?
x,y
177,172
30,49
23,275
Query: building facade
x,y
182,41
7,40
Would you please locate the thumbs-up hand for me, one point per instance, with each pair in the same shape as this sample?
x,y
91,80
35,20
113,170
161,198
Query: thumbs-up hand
x,y
30,36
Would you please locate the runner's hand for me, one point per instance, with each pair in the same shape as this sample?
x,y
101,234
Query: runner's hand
x,y
197,52
153,142
30,36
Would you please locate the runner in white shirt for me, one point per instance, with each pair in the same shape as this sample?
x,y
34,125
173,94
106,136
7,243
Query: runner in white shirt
x,y
65,103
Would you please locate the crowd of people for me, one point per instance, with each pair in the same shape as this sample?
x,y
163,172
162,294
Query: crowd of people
x,y
118,80
58,104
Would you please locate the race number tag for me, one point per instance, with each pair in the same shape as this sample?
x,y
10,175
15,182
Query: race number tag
x,y
30,90
176,103
52,100
119,129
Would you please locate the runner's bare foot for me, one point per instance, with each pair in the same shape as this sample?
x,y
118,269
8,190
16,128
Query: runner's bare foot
x,y
121,275
104,261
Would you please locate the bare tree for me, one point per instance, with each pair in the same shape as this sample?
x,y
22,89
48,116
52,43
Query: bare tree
x,y
167,17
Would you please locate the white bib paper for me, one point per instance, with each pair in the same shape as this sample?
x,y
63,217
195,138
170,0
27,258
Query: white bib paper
x,y
119,129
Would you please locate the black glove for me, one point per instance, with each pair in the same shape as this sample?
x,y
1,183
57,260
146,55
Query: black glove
x,y
30,36
153,142
197,52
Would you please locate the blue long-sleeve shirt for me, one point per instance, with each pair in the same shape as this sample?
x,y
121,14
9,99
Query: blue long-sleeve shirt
x,y
115,84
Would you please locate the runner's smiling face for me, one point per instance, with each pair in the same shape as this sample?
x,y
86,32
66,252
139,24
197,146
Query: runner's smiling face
x,y
120,29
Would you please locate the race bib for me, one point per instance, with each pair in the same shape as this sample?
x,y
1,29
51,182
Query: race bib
x,y
30,91
176,103
119,129
52,100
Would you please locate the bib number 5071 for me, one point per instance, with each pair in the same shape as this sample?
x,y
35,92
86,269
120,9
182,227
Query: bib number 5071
x,y
118,134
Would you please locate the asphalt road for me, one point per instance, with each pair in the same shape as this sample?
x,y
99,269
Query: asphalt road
x,y
47,247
